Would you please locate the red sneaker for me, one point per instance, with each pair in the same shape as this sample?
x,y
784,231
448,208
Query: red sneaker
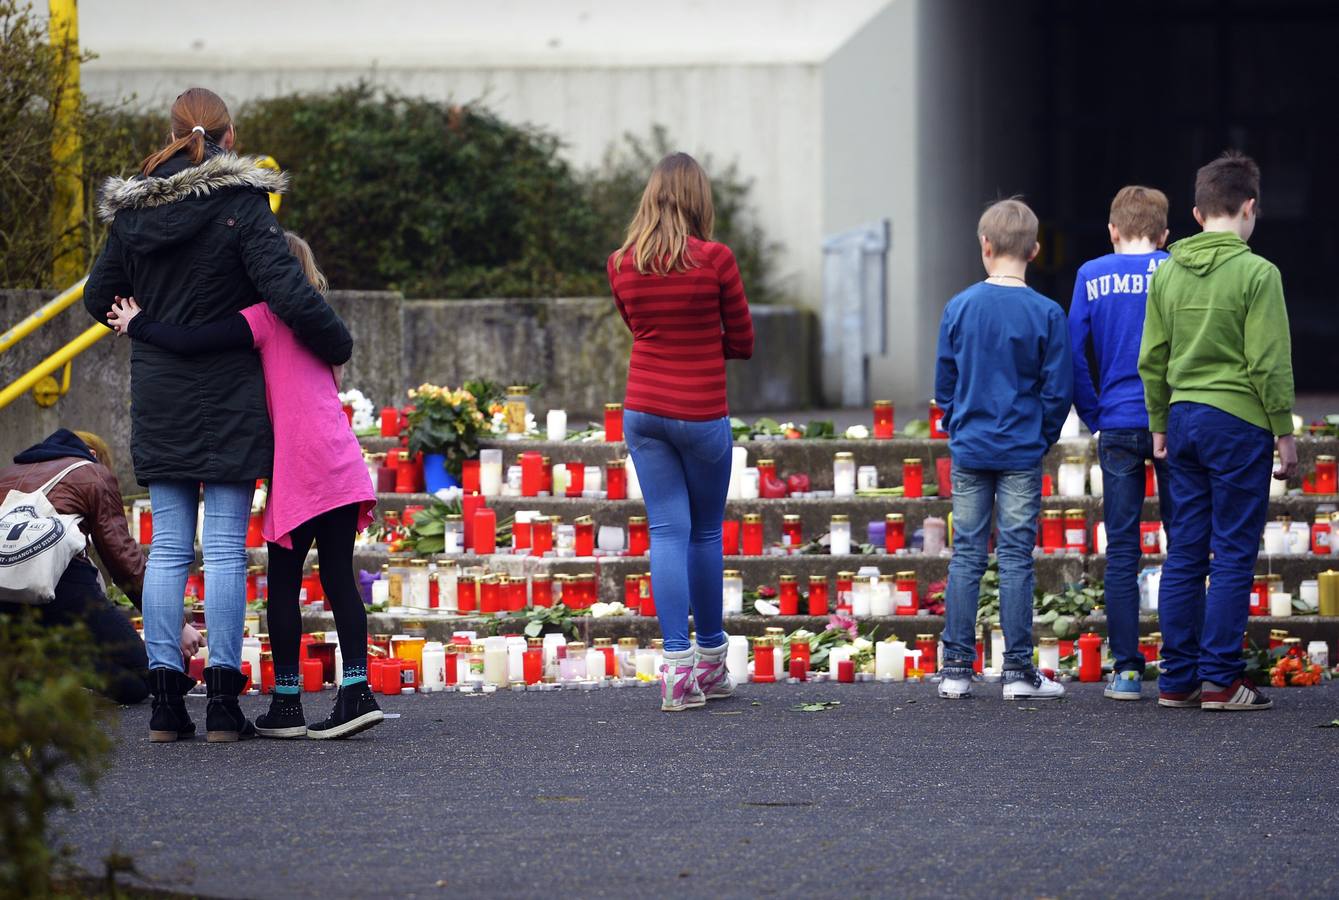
x,y
1180,699
1239,696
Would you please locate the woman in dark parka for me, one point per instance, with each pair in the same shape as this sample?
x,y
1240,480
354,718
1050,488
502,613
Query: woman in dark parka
x,y
193,240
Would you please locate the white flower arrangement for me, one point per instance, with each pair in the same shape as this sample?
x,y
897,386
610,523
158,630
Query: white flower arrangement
x,y
857,433
606,610
363,419
498,425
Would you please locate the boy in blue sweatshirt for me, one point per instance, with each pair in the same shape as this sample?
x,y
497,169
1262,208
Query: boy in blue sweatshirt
x,y
1106,316
1004,380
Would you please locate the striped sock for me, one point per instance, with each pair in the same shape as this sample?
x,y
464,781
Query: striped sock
x,y
286,680
353,673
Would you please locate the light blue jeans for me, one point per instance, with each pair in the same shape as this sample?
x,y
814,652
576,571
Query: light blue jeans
x,y
1015,498
227,509
684,471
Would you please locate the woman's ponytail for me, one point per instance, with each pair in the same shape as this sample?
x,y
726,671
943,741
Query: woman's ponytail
x,y
198,115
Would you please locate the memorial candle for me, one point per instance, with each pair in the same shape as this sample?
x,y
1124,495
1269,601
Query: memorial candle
x,y
737,658
752,535
1327,475
763,661
937,431
730,537
541,590
928,644
632,592
532,661
541,535
616,480
792,532
843,475
818,595
895,532
1076,530
839,535
532,473
639,536
789,596
613,421
584,544
913,478
557,425
485,531
883,419
899,651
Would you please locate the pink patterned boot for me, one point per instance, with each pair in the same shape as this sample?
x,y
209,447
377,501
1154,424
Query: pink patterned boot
x,y
713,679
678,686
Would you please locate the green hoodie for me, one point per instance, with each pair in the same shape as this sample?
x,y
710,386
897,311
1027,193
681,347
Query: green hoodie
x,y
1216,332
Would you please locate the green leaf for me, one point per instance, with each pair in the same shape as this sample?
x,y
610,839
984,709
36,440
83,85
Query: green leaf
x,y
534,628
820,706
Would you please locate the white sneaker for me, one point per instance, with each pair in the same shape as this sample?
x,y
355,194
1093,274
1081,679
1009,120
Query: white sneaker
x,y
1029,684
955,684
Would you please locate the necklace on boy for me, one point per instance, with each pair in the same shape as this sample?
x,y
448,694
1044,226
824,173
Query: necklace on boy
x,y
1017,278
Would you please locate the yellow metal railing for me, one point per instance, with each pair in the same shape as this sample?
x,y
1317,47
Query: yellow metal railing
x,y
40,378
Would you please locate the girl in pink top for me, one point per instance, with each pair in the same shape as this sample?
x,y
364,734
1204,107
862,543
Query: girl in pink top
x,y
320,492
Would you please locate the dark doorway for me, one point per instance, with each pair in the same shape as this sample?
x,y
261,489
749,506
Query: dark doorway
x,y
1146,92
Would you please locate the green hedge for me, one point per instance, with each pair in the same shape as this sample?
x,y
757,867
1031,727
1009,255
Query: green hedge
x,y
426,197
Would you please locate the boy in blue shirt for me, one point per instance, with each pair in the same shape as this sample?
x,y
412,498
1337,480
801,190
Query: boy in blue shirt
x,y
1004,380
1106,316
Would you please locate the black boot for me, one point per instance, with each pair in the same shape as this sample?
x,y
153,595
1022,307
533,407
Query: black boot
x,y
170,721
284,720
224,721
355,710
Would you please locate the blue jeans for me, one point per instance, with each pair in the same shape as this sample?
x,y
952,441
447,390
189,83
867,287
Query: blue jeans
x,y
1219,469
1122,452
1016,498
684,471
227,509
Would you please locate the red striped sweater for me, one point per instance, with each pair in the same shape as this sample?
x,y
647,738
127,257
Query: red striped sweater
x,y
684,326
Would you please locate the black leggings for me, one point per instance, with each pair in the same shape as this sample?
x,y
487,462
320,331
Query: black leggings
x,y
333,533
117,651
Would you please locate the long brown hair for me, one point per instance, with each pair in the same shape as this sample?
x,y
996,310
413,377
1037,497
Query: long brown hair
x,y
307,259
675,206
197,114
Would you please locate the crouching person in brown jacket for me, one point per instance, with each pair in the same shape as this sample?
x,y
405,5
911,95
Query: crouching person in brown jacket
x,y
93,493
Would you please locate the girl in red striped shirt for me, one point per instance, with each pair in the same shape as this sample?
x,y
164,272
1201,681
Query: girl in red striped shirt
x,y
682,298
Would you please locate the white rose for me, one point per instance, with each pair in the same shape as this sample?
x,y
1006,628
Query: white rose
x,y
857,433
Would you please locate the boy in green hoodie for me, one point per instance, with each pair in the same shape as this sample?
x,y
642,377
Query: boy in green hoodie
x,y
1216,362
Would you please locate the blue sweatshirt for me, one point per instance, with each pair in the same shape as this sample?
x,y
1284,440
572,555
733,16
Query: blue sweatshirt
x,y
1110,294
1003,377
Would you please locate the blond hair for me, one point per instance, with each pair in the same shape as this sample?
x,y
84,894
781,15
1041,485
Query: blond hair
x,y
1139,212
303,251
98,446
1011,227
675,206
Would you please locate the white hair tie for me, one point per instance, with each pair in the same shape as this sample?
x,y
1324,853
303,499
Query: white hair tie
x,y
199,128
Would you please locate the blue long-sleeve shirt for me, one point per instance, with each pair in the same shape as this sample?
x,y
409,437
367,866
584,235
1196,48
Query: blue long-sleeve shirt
x,y
1107,313
1003,377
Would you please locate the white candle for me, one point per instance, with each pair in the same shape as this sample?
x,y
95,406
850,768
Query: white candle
x,y
434,666
490,472
593,480
557,425
736,658
646,663
1276,539
516,659
739,461
561,479
1277,488
609,538
495,660
836,656
880,599
595,665
1299,538
1071,427
1309,592
1101,539
839,536
883,660
1148,597
1095,479
899,654
748,488
1280,604
1319,652
860,598
996,650
935,535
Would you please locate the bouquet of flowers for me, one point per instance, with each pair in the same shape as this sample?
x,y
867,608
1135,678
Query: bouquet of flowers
x,y
363,420
448,422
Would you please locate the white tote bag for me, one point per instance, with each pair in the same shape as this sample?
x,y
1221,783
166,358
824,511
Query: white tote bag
x,y
36,543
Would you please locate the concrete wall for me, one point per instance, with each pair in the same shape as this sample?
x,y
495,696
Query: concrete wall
x,y
576,348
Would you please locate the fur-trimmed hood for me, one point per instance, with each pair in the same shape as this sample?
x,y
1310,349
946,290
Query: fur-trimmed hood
x,y
224,170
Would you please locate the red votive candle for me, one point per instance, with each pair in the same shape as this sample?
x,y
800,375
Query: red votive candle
x,y
800,650
799,669
792,532
1150,479
929,647
313,675
905,583
846,671
613,421
1148,537
818,596
648,604
576,478
246,673
467,594
937,431
470,504
913,478
1076,530
616,480
375,666
390,421
490,600
541,535
469,476
541,590
516,594
406,479
584,530
639,536
789,598
632,592
730,537
883,419
266,672
254,538
764,668
532,474
391,675
197,668
752,535
532,661
520,535
1052,530
944,475
894,532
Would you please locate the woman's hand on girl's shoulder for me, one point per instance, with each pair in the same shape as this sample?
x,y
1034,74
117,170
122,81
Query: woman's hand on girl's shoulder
x,y
123,310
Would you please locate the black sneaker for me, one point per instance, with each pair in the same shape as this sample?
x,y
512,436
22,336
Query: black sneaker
x,y
284,720
355,710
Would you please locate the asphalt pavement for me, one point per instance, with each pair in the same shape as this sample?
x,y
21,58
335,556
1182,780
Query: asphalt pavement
x,y
598,794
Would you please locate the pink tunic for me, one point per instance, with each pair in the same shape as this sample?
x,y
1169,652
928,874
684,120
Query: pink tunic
x,y
318,463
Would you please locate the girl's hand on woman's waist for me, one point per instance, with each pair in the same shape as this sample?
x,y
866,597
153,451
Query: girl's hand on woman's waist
x,y
123,310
